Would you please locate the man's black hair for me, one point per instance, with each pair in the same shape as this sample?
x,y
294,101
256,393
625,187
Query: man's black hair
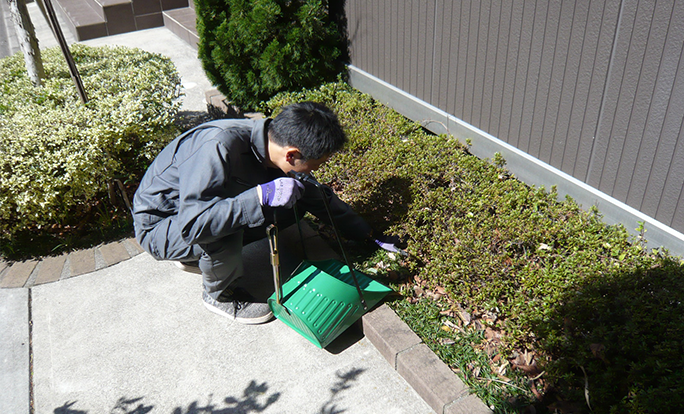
x,y
310,127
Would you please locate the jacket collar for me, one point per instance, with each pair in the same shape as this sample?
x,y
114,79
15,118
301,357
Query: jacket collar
x,y
259,139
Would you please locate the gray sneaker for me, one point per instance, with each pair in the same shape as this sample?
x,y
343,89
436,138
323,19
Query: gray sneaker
x,y
239,306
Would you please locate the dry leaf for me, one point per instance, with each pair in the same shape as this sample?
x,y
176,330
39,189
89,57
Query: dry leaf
x,y
434,295
530,370
502,368
465,316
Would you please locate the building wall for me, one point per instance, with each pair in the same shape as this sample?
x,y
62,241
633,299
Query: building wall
x,y
594,89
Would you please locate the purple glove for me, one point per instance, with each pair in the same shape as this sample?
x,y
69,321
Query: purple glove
x,y
281,192
389,243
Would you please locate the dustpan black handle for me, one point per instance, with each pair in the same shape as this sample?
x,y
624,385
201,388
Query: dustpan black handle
x,y
310,179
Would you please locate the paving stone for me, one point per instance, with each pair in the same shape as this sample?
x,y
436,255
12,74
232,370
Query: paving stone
x,y
50,269
132,246
17,275
114,253
468,405
430,377
81,261
388,333
3,266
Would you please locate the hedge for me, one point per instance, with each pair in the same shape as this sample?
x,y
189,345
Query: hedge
x,y
58,155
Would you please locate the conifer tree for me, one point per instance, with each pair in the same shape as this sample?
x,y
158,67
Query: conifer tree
x,y
252,49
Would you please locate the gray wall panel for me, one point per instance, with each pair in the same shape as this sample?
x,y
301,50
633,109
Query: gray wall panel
x,y
657,92
573,23
468,80
511,71
623,80
562,79
461,60
483,63
574,94
502,23
545,82
670,208
440,75
671,130
521,74
649,48
597,51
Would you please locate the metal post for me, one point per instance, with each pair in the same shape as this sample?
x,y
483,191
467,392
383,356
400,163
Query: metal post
x,y
49,12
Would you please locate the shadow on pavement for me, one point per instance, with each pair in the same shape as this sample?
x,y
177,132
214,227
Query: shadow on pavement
x,y
252,400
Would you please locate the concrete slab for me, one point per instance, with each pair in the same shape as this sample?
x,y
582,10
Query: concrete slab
x,y
137,336
14,351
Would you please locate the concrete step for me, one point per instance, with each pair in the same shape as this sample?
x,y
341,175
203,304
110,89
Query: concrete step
x,y
98,18
82,20
182,22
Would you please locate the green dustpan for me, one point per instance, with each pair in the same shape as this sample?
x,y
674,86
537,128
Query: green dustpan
x,y
320,301
322,298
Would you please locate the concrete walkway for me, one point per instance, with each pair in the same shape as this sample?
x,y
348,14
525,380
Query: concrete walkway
x,y
111,330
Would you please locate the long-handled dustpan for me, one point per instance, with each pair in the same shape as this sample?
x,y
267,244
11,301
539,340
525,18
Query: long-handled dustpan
x,y
322,298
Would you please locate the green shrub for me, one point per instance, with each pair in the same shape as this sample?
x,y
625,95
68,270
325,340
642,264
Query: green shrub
x,y
547,287
253,49
58,155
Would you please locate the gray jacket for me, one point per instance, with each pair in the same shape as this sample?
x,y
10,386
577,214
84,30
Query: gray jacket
x,y
206,180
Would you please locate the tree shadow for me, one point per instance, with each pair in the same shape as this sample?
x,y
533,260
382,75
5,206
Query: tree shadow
x,y
344,382
254,399
123,406
249,402
620,338
66,408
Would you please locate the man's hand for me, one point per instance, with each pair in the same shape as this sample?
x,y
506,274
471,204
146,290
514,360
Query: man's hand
x,y
389,243
281,192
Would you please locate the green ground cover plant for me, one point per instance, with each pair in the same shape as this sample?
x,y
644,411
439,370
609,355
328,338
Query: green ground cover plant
x,y
537,304
58,157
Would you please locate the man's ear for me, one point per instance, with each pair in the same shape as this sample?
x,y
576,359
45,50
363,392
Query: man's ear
x,y
292,154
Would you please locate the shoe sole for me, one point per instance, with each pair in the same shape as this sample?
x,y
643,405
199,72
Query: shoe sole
x,y
190,269
244,321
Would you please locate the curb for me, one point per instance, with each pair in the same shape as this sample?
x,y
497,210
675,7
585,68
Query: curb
x,y
431,378
30,273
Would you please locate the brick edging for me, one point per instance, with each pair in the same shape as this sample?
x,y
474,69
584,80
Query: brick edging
x,y
431,378
34,272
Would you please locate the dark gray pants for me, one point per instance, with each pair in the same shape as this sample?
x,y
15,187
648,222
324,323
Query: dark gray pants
x,y
220,261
